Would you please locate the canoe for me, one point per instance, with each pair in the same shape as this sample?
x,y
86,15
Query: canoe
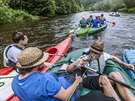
x,y
110,67
82,31
129,57
115,15
6,90
97,30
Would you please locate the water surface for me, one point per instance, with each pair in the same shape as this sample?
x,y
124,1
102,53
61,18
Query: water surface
x,y
48,32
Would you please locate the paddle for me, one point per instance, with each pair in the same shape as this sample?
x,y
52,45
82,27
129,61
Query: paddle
x,y
113,23
71,31
5,77
58,55
115,80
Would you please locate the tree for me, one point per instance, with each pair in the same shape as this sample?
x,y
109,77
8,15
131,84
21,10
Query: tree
x,y
129,3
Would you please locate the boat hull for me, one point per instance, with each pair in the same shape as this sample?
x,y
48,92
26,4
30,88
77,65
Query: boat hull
x,y
82,31
97,30
129,57
111,66
115,15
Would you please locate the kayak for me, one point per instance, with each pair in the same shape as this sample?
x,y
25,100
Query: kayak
x,y
129,57
113,66
5,70
110,67
55,52
82,31
97,30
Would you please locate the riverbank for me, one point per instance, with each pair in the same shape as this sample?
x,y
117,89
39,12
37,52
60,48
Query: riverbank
x,y
127,10
8,15
12,11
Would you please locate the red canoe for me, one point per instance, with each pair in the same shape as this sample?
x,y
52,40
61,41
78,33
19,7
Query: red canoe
x,y
56,53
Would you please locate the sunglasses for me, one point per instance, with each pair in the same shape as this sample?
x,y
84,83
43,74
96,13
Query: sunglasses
x,y
95,52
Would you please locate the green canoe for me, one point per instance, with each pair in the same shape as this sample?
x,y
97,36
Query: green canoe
x,y
82,31
96,30
110,66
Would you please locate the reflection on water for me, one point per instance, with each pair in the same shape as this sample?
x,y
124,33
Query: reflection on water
x,y
48,32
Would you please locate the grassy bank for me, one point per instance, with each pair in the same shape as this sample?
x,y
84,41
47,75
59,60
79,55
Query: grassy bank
x,y
9,15
127,10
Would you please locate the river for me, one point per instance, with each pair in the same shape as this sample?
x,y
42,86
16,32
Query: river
x,y
48,32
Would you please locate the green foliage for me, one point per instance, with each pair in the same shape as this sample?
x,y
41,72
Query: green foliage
x,y
109,5
35,7
89,3
123,10
131,10
10,15
105,5
47,7
129,3
60,9
128,10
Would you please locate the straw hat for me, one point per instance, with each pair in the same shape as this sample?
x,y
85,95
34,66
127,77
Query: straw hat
x,y
31,57
97,46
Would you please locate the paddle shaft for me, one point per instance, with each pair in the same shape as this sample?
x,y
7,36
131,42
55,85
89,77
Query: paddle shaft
x,y
113,79
108,21
58,55
6,77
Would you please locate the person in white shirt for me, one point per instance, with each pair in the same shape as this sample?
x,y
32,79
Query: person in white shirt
x,y
96,82
11,52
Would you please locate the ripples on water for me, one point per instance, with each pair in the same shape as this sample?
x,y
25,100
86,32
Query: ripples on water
x,y
48,32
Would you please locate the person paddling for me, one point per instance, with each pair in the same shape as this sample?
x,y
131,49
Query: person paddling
x,y
83,22
90,20
32,85
11,52
102,19
96,22
95,82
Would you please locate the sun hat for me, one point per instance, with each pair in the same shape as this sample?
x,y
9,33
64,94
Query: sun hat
x,y
31,57
97,16
97,46
83,16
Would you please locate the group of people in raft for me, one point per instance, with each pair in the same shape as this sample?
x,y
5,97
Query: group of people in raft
x,y
90,22
32,85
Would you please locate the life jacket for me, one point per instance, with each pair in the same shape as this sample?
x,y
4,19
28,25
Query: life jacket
x,y
6,61
89,20
83,22
102,19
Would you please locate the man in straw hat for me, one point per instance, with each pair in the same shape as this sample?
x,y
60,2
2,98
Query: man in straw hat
x,y
31,85
95,82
